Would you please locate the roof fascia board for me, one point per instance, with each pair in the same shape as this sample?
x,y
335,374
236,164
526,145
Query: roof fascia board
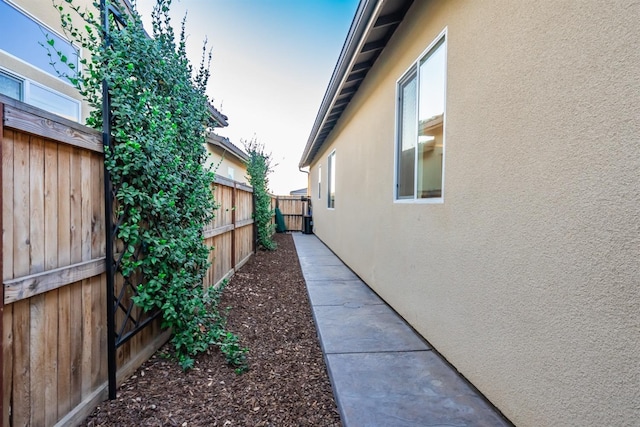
x,y
361,25
221,142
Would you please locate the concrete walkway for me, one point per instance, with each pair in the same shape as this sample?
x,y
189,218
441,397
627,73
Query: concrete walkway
x,y
382,372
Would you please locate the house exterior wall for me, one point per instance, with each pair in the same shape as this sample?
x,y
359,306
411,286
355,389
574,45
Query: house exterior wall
x,y
526,278
44,13
221,161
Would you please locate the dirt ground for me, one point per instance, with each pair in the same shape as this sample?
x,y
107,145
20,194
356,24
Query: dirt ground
x,y
287,382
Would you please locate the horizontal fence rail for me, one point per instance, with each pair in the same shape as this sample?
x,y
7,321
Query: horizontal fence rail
x,y
231,231
53,251
53,302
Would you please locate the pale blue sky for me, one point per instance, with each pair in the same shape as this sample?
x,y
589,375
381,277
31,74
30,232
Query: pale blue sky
x,y
272,61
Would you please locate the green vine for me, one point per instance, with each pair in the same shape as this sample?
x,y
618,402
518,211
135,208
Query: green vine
x,y
163,193
258,168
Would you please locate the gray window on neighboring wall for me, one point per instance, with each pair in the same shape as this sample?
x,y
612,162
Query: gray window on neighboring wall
x,y
38,95
331,185
10,86
420,132
319,182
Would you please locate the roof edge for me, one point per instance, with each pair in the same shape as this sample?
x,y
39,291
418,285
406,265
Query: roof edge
x,y
227,145
217,116
359,25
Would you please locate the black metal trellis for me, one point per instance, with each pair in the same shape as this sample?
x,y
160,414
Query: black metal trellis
x,y
133,318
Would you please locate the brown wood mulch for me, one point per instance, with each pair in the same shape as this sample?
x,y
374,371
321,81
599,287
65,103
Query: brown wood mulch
x,y
287,382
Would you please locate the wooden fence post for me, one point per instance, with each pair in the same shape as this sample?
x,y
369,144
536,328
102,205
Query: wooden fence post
x,y
233,221
255,225
2,408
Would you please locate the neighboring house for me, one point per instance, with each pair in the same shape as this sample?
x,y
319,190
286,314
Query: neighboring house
x,y
300,192
27,75
477,163
226,159
25,70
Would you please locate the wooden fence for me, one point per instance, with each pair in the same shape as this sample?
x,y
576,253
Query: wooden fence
x,y
293,209
53,302
231,232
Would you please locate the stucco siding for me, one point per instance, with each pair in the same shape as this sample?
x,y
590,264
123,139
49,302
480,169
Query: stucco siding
x,y
44,13
220,161
526,278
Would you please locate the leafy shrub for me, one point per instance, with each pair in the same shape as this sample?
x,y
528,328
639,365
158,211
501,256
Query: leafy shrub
x,y
163,194
258,169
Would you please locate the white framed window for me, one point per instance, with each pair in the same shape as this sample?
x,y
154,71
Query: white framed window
x,y
331,184
419,151
231,173
319,182
23,37
40,96
11,86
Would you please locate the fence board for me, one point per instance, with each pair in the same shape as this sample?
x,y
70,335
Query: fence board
x,y
36,210
50,205
6,138
244,244
217,231
54,330
36,234
50,303
21,399
34,284
228,231
50,331
7,362
87,336
75,316
85,196
64,344
293,209
2,328
21,396
98,291
38,361
50,126
64,350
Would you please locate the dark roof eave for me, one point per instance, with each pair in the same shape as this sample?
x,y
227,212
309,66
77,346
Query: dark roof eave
x,y
228,146
218,117
356,31
348,73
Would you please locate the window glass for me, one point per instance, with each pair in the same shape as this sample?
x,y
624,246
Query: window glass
x,y
52,101
420,145
231,173
10,86
430,119
21,36
319,182
407,143
331,200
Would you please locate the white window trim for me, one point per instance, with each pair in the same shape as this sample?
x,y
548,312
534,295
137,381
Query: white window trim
x,y
25,96
14,76
329,180
319,182
416,64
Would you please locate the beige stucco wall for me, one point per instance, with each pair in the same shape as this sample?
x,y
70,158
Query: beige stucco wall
x,y
527,277
45,14
221,161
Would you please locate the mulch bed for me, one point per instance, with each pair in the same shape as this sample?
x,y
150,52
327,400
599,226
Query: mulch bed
x,y
287,382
